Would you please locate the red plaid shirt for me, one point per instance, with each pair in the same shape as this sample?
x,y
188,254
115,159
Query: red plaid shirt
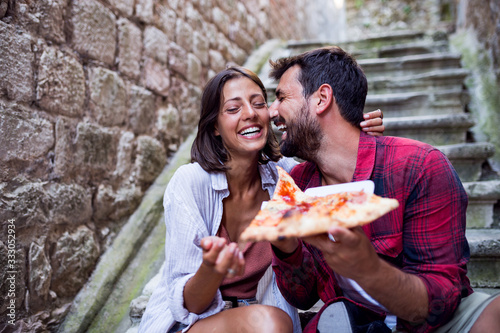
x,y
424,236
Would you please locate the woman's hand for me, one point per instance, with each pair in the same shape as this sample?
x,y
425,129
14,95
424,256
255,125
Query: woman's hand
x,y
373,124
222,258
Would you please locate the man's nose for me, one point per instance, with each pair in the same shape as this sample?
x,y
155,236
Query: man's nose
x,y
273,109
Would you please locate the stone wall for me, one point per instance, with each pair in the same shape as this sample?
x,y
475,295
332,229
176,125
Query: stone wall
x,y
95,95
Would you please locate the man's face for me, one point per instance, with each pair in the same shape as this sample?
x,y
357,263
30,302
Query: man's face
x,y
301,130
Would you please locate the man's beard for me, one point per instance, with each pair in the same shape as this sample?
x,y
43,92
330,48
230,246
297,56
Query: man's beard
x,y
303,137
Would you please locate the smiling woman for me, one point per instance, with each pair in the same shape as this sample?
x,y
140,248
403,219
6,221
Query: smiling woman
x,y
211,279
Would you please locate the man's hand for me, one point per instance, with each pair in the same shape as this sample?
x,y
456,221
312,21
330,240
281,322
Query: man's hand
x,y
351,255
373,124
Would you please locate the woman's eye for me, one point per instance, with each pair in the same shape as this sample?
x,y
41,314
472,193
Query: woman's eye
x,y
232,110
260,105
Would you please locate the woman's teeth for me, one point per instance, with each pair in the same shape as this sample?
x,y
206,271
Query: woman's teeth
x,y
250,130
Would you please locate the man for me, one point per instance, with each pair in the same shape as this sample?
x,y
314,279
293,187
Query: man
x,y
411,263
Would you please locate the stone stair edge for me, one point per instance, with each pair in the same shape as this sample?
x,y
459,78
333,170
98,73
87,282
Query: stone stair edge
x,y
484,242
463,120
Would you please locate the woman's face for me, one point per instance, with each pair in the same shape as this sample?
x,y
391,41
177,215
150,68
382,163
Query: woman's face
x,y
243,120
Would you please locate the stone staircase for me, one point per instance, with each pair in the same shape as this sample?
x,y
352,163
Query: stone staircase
x,y
418,83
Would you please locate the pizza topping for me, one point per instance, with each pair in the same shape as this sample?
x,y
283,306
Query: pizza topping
x,y
292,213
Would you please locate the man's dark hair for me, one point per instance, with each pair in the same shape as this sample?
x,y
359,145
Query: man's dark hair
x,y
208,149
333,66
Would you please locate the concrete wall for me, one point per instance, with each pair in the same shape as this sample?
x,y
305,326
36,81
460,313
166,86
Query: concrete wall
x,y
95,95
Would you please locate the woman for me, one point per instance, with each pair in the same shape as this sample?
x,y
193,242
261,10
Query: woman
x,y
208,203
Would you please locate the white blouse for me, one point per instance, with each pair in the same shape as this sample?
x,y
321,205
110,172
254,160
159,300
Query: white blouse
x,y
193,210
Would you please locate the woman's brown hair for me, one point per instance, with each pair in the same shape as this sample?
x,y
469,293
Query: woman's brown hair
x,y
208,149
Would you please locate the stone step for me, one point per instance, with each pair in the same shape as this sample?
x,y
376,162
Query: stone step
x,y
468,158
484,265
407,65
353,46
484,204
436,130
440,79
402,104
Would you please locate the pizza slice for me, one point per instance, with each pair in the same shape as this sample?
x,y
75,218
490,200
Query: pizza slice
x,y
292,213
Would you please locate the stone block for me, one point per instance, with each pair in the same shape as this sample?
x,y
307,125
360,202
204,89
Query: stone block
x,y
110,204
237,55
124,6
94,30
194,73
193,17
167,20
242,38
129,55
155,44
61,83
177,59
217,61
18,124
16,64
108,97
51,16
40,271
75,254
150,160
156,76
201,46
94,147
124,155
184,35
221,20
38,202
141,109
168,124
144,10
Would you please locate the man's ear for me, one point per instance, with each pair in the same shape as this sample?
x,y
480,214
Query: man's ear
x,y
324,98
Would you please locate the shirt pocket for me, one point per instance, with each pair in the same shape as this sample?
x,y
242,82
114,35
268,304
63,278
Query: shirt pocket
x,y
388,245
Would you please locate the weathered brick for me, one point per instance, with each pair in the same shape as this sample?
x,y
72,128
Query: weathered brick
x,y
108,97
141,109
129,55
144,10
242,39
23,134
150,160
94,30
156,76
16,64
61,83
155,44
177,59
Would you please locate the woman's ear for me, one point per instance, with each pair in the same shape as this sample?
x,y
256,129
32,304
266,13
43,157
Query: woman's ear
x,y
325,98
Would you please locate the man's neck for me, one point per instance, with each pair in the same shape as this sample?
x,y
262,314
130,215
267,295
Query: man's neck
x,y
337,156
